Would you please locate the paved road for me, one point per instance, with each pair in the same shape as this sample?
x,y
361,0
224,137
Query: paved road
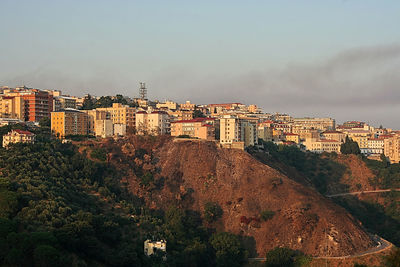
x,y
363,192
382,245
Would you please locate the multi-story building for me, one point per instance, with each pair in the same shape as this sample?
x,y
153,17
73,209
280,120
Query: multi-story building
x,y
322,124
119,129
93,116
63,102
323,145
187,106
334,135
121,114
12,107
392,148
180,115
18,136
152,122
201,128
249,132
37,103
265,133
104,128
292,137
230,130
69,122
167,105
375,145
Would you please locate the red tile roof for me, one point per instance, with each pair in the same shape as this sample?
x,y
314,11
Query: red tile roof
x,y
23,132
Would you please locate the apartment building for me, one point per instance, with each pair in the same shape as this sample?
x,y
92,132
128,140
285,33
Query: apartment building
x,y
152,122
180,115
18,136
305,133
120,114
322,124
201,128
375,145
249,132
104,128
93,116
230,129
264,132
37,103
63,102
334,135
392,148
291,137
167,105
323,145
69,122
12,107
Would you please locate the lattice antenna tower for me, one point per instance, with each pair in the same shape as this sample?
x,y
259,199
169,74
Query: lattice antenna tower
x,y
143,91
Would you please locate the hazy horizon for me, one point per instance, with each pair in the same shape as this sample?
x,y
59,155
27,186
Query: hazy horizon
x,y
337,58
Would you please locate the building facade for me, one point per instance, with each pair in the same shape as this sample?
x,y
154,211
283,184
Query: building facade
x,y
69,122
18,136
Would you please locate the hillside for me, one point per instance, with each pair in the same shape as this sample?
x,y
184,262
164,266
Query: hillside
x,y
191,173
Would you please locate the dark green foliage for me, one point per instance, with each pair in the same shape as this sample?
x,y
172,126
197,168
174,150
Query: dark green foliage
x,y
393,260
99,153
319,170
228,249
212,212
45,122
350,147
198,114
184,136
88,103
267,215
359,265
285,257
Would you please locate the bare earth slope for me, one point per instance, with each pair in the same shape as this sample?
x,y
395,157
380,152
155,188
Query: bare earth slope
x,y
198,172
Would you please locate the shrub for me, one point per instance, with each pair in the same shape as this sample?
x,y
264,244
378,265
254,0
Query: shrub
x,y
99,153
287,257
267,215
212,212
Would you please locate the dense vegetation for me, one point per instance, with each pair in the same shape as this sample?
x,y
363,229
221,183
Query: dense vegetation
x,y
58,208
103,102
350,147
280,257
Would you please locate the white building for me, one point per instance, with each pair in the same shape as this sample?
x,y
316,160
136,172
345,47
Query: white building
x,y
153,123
150,247
104,128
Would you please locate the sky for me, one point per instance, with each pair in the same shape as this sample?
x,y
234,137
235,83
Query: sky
x,y
338,59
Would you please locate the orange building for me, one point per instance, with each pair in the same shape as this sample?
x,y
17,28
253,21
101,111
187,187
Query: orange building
x,y
38,104
201,128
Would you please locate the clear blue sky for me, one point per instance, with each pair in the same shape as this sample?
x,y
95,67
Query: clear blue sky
x,y
209,51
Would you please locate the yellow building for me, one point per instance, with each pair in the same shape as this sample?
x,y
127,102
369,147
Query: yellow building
x,y
292,137
18,136
334,135
392,148
69,122
121,114
323,145
93,116
180,115
167,105
12,107
322,124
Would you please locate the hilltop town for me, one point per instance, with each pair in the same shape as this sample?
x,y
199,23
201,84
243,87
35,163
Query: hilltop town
x,y
233,125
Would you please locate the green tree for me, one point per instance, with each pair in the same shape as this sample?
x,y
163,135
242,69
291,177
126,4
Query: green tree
x,y
286,257
350,147
88,103
393,259
228,250
212,212
45,255
198,114
267,215
45,122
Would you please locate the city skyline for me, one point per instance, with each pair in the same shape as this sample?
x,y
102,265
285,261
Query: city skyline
x,y
339,59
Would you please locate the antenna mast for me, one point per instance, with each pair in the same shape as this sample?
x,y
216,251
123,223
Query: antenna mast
x,y
143,91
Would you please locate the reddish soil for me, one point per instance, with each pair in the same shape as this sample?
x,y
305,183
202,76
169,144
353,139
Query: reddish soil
x,y
358,175
196,172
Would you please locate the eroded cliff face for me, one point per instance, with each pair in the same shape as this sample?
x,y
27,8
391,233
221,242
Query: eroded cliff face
x,y
192,173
